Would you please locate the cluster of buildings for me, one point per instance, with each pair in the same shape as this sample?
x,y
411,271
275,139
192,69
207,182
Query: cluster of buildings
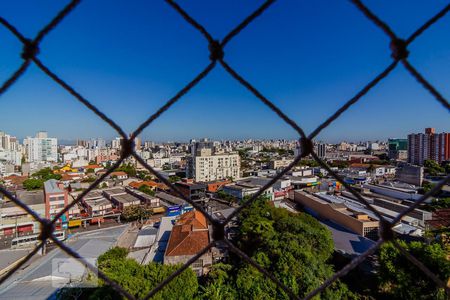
x,y
218,175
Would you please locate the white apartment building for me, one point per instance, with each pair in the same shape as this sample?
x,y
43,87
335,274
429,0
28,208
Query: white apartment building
x,y
41,148
10,150
205,166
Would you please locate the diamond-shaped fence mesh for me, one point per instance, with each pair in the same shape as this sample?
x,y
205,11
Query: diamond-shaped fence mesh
x,y
400,52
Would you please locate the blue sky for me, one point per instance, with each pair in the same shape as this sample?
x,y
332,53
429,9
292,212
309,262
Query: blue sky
x,y
308,57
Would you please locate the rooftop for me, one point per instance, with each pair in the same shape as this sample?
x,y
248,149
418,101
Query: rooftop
x,y
170,199
189,236
28,198
51,186
126,198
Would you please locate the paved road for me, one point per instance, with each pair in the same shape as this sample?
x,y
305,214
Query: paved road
x,y
34,280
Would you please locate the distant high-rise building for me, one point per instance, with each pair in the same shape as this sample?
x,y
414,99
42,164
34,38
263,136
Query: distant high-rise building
x,y
82,143
116,143
205,165
8,143
149,144
41,148
321,150
428,145
138,143
397,149
42,135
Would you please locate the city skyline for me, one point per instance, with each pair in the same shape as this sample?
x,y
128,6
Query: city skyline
x,y
130,77
66,141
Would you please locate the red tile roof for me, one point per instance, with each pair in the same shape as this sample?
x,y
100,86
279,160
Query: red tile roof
x,y
15,179
118,173
93,167
194,218
138,184
189,236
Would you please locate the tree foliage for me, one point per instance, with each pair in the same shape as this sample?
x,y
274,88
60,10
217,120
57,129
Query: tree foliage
x,y
224,196
139,280
341,164
135,212
33,184
400,279
294,248
128,168
174,179
308,163
146,189
36,181
46,174
433,168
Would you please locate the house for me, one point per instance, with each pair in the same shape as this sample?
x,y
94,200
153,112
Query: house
x,y
94,168
119,175
137,184
189,236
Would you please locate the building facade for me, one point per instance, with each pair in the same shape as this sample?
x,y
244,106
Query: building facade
x,y
205,166
41,148
398,149
428,145
56,198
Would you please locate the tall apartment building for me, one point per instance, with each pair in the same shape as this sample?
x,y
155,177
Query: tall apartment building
x,y
207,166
96,143
41,148
428,145
321,150
10,150
116,143
8,143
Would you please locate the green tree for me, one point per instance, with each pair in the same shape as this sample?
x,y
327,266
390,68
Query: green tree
x,y
142,174
46,174
139,280
174,178
217,285
128,168
224,196
400,279
446,166
426,187
33,184
308,163
340,164
146,189
439,203
135,212
294,248
433,168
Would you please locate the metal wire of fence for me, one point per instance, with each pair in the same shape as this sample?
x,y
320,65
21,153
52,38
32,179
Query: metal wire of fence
x,y
399,54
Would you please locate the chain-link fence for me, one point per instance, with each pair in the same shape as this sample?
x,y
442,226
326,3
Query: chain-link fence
x,y
399,48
